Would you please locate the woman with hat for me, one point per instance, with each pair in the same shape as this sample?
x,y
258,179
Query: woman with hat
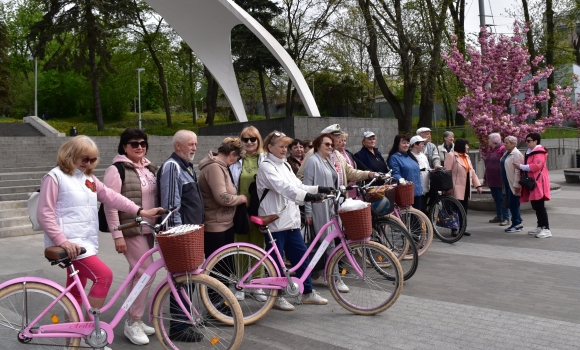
x,y
370,156
416,152
430,149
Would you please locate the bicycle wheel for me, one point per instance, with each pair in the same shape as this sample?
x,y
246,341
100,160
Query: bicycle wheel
x,y
16,305
391,233
216,335
229,266
419,227
372,293
448,218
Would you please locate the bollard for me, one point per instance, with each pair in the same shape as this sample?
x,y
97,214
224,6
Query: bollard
x,y
73,131
578,158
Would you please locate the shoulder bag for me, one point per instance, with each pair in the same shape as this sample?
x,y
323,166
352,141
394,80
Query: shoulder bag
x,y
526,181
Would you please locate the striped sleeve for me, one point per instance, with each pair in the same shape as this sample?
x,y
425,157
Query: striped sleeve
x,y
170,191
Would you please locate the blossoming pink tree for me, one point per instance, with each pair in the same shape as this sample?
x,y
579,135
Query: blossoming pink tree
x,y
496,78
563,105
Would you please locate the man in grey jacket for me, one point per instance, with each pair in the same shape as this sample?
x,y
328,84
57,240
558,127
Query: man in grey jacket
x,y
430,149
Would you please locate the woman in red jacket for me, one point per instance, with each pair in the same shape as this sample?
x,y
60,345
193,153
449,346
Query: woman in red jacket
x,y
535,162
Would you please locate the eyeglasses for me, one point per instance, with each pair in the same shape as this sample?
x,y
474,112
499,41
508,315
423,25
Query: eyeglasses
x,y
278,134
249,139
328,144
86,160
135,144
528,141
309,146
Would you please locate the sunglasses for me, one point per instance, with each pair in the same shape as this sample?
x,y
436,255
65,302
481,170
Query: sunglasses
x,y
135,144
328,144
86,160
278,134
528,141
249,139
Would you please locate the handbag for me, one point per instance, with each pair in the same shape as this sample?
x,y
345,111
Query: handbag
x,y
448,220
241,220
529,182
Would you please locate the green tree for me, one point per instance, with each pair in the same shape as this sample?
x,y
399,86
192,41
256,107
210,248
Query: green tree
x,y
4,68
83,28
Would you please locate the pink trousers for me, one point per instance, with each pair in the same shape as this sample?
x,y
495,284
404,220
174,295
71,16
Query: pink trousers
x,y
94,269
137,246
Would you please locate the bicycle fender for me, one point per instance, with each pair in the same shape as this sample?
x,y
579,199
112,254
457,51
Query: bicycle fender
x,y
241,244
47,282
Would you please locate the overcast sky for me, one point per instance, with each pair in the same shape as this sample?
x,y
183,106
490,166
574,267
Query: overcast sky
x,y
503,22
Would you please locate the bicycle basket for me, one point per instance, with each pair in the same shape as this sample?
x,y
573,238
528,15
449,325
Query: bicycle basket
x,y
375,193
358,224
405,195
440,180
182,247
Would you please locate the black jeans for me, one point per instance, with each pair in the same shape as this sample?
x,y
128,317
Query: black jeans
x,y
541,213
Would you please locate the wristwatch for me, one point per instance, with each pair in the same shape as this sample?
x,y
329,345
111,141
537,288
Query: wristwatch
x,y
139,211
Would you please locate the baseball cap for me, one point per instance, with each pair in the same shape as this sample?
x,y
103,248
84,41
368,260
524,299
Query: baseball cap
x,y
368,134
423,129
333,129
417,138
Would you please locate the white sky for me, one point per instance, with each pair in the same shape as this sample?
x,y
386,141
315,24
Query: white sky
x,y
502,21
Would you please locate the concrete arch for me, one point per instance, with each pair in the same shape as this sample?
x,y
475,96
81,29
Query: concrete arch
x,y
206,26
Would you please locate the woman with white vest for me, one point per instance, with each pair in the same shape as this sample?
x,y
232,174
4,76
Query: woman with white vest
x,y
67,212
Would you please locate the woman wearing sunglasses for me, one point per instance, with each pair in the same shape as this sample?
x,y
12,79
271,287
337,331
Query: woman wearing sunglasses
x,y
139,184
67,212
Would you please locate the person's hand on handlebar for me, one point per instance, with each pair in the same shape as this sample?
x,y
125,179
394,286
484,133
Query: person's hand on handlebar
x,y
152,213
318,197
326,190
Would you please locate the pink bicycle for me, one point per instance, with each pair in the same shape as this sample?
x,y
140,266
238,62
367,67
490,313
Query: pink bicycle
x,y
371,271
37,311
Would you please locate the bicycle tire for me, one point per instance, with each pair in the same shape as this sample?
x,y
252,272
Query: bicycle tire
x,y
391,233
38,296
383,293
252,309
452,205
420,228
216,335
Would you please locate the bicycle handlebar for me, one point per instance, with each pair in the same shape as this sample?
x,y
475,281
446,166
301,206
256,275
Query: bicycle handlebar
x,y
139,221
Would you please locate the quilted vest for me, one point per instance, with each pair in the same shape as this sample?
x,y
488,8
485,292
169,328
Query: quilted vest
x,y
131,189
76,211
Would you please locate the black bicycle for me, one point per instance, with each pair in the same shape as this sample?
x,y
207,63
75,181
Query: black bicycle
x,y
447,215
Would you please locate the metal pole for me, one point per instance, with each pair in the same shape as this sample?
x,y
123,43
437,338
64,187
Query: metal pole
x,y
481,13
35,87
139,70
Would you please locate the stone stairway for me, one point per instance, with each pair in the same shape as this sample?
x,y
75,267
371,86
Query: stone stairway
x,y
25,160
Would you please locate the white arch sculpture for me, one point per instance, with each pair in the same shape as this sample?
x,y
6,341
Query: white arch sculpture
x,y
206,25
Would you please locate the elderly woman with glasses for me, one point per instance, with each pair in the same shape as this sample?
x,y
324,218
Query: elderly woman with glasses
x,y
511,177
67,212
282,193
492,178
139,184
535,166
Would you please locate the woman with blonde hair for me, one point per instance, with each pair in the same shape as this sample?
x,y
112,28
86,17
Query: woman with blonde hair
x,y
67,212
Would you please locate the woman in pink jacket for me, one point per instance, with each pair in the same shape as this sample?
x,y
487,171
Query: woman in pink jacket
x,y
535,162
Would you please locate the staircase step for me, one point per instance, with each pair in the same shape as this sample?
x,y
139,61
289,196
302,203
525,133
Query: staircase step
x,y
15,221
18,231
13,204
99,172
20,182
19,189
14,212
14,196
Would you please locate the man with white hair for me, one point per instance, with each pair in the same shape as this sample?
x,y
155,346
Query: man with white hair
x,y
447,146
430,149
492,178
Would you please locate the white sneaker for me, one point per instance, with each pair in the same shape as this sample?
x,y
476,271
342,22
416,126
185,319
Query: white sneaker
x,y
240,295
544,234
148,330
343,288
314,299
84,343
135,333
319,281
535,231
259,295
283,304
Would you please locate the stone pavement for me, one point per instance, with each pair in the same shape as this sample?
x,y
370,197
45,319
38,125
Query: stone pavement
x,y
491,290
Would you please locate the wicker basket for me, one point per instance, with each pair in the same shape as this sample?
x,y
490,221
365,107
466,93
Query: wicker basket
x,y
358,224
182,252
376,193
405,195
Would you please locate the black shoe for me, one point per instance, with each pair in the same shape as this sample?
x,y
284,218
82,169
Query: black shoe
x,y
467,234
186,336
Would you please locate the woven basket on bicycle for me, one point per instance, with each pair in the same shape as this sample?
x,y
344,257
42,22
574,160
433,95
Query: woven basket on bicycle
x,y
358,224
375,193
182,247
405,195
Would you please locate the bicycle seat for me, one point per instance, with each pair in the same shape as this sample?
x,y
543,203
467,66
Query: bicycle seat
x,y
58,253
264,220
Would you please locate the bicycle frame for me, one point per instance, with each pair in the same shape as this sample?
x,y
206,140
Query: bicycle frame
x,y
283,281
84,328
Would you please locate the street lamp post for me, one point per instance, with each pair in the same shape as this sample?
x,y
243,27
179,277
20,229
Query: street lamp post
x,y
139,70
35,84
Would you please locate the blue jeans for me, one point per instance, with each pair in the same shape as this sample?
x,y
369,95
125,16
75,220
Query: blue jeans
x,y
292,244
514,205
498,196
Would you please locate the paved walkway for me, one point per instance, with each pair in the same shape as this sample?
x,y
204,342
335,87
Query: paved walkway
x,y
491,290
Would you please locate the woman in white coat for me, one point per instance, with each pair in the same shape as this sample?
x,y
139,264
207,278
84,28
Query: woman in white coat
x,y
511,177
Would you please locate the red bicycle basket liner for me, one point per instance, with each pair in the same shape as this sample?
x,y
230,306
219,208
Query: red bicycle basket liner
x,y
182,252
358,224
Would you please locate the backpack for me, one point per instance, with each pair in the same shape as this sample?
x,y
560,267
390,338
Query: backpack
x,y
103,225
33,207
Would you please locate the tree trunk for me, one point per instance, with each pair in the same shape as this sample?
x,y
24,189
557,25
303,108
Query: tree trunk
x,y
92,41
264,97
289,100
162,83
378,73
191,90
550,45
532,51
211,96
458,16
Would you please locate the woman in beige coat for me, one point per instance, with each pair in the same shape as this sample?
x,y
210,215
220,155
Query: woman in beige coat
x,y
462,173
511,178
